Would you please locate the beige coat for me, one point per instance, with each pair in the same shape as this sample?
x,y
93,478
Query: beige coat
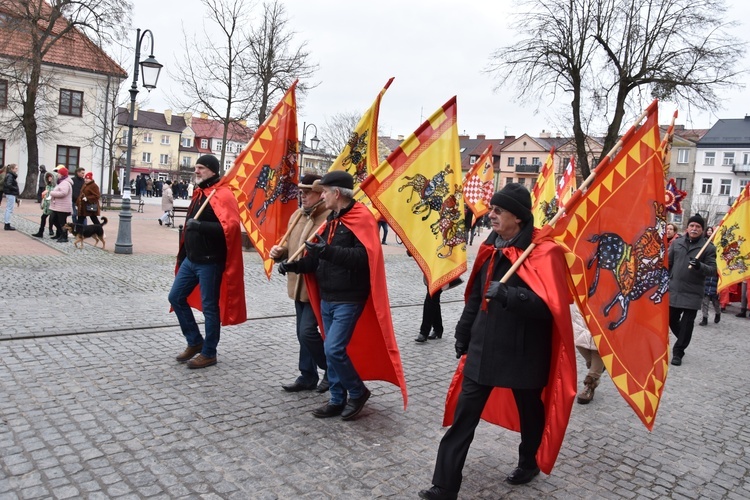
x,y
302,229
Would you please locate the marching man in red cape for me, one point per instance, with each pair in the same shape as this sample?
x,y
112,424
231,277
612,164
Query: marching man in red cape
x,y
345,277
210,271
508,333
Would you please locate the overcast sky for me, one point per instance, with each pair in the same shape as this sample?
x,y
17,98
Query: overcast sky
x,y
435,49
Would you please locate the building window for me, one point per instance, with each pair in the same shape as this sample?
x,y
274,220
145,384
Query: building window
x,y
218,145
148,137
728,159
511,161
565,162
680,182
204,143
508,180
522,181
746,158
71,102
683,155
535,161
472,160
186,161
522,160
187,142
743,182
533,183
165,140
709,158
163,159
146,157
3,96
725,187
706,186
124,138
68,156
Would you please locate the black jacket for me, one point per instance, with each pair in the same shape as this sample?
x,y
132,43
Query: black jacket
x,y
11,184
509,346
208,244
77,185
342,272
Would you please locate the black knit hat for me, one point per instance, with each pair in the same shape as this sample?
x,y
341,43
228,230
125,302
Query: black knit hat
x,y
514,198
338,178
697,218
210,162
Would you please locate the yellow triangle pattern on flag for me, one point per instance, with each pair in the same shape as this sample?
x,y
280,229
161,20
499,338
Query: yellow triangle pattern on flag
x,y
264,178
732,242
360,155
614,236
418,191
544,201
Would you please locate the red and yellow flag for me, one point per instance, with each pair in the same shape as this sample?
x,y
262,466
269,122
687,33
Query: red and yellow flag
x,y
732,245
544,195
567,184
360,155
614,238
264,178
479,184
418,190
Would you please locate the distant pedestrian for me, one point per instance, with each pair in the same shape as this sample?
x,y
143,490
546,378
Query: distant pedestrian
x,y
77,186
167,203
149,187
383,225
587,348
41,183
50,179
743,300
10,186
61,203
2,182
88,201
710,296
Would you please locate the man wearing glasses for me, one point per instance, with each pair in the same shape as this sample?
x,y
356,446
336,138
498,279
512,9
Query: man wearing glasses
x,y
508,332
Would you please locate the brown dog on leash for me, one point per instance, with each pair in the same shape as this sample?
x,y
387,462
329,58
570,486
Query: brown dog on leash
x,y
95,231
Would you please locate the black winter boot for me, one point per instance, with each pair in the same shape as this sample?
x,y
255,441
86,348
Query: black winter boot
x,y
40,233
704,321
8,227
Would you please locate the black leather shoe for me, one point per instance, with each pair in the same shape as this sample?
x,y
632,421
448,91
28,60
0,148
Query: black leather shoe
x,y
676,360
420,338
298,386
522,476
355,405
323,385
438,493
434,335
328,411
703,322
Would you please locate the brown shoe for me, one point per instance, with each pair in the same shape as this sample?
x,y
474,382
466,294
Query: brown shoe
x,y
188,353
201,362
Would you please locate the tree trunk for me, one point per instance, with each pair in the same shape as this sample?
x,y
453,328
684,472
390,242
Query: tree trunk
x,y
30,131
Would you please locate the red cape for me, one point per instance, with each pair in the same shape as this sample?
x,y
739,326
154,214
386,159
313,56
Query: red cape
x,y
543,271
373,348
232,309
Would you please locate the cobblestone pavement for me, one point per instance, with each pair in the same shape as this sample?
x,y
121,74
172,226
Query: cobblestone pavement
x,y
92,404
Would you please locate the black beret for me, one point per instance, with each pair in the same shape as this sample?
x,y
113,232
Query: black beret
x,y
338,178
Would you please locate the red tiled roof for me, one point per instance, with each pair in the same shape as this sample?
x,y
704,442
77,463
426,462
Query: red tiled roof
x,y
72,50
213,129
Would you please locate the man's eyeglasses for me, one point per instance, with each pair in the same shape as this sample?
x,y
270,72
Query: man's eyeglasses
x,y
498,210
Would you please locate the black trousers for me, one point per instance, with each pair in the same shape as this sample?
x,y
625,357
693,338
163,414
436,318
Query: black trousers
x,y
58,220
455,443
432,316
681,322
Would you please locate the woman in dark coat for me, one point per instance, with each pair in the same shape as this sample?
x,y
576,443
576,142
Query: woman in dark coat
x,y
88,200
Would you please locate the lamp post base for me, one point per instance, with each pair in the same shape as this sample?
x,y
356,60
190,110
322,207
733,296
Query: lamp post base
x,y
124,244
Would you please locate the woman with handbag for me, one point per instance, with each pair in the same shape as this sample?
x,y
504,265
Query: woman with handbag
x,y
88,200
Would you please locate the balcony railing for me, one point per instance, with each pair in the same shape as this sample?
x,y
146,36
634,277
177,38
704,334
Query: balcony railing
x,y
528,169
741,169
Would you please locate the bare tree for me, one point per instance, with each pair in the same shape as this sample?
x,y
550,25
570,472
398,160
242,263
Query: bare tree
x,y
40,25
337,130
276,61
613,56
213,78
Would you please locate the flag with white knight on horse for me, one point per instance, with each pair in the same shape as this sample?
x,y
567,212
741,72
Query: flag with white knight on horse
x,y
419,192
264,178
613,235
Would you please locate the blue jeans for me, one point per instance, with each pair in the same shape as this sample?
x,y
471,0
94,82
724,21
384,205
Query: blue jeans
x,y
311,351
339,320
188,277
10,202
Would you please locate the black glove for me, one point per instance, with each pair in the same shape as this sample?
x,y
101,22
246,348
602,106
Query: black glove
x,y
316,249
498,291
461,349
193,225
695,264
288,267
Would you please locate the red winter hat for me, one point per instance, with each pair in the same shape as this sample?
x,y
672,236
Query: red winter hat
x,y
62,171
89,175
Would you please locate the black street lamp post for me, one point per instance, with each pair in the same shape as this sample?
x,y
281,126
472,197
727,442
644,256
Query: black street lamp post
x,y
150,68
314,142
